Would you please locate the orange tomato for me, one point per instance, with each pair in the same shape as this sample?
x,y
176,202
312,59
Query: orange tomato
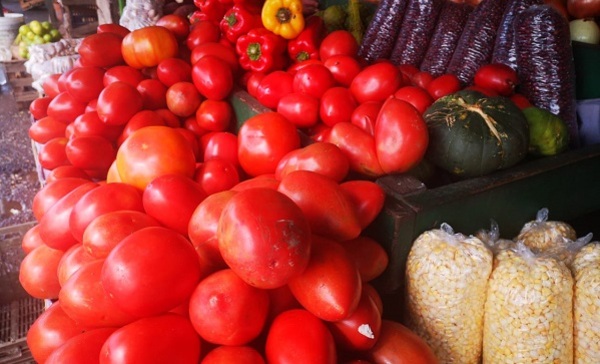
x,y
146,47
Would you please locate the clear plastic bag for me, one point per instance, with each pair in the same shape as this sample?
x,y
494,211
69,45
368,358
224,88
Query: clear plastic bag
x,y
141,13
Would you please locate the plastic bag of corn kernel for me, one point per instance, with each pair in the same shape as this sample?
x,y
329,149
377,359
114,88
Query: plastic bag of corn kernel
x,y
447,275
492,238
529,309
586,304
542,234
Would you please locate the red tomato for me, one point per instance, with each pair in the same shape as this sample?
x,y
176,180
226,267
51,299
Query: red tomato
x,y
94,153
153,94
177,24
263,140
89,124
31,239
217,174
65,107
443,85
376,82
273,87
487,92
37,272
369,256
264,237
399,345
52,154
82,348
147,46
173,70
168,338
421,79
416,96
297,336
226,354
55,230
71,262
253,82
338,42
153,151
50,85
83,298
365,115
122,73
46,128
169,118
359,148
521,101
214,115
301,109
221,144
330,286
183,99
101,50
219,50
51,330
132,279
264,180
220,307
401,136
112,28
337,105
106,198
497,77
295,67
281,300
203,31
324,203
66,172
374,294
192,140
212,77
367,197
359,331
107,230
48,195
118,102
313,80
323,158
39,107
140,120
343,68
170,192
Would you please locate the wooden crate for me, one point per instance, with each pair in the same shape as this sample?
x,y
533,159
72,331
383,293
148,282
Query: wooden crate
x,y
28,4
20,82
82,17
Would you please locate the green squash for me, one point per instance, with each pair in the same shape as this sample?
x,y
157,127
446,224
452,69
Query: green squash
x,y
472,135
548,133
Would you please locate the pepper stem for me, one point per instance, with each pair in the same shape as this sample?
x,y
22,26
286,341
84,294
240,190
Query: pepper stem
x,y
253,51
231,20
284,15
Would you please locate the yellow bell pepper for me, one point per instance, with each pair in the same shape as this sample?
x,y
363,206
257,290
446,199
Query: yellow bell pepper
x,y
283,17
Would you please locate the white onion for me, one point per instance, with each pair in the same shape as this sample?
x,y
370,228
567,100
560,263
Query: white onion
x,y
585,30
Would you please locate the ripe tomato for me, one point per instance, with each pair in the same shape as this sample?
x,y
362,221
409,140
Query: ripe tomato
x,y
153,151
107,230
338,42
220,307
50,85
367,197
416,96
443,85
83,298
89,124
337,105
65,107
91,153
324,203
66,172
131,278
264,180
358,146
177,24
51,329
263,140
140,120
421,79
52,154
297,336
82,348
48,195
343,68
170,192
359,331
212,77
31,239
281,300
219,50
226,354
172,70
313,80
273,87
521,101
376,82
118,102
330,286
214,115
301,109
106,198
264,237
203,31
146,47
323,158
216,174
183,99
253,81
123,73
497,77
398,344
101,50
85,83
73,259
221,144
37,272
369,256
401,136
39,107
153,94
365,115
46,128
168,338
112,28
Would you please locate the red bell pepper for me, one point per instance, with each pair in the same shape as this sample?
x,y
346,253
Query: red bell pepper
x,y
306,44
238,21
212,10
261,50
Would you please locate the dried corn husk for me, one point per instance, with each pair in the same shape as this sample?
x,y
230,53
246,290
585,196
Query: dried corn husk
x,y
447,276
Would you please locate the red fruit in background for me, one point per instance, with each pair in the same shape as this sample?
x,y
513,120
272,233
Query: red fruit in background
x,y
177,24
172,70
153,94
323,158
367,198
52,192
216,175
82,348
358,146
89,124
71,262
91,153
313,80
416,96
370,257
212,77
123,73
497,77
214,115
46,128
65,107
203,31
31,239
443,85
343,68
376,82
52,154
183,99
140,120
101,50
226,354
39,107
338,42
112,28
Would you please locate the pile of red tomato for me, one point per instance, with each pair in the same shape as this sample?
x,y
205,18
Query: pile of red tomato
x,y
166,236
